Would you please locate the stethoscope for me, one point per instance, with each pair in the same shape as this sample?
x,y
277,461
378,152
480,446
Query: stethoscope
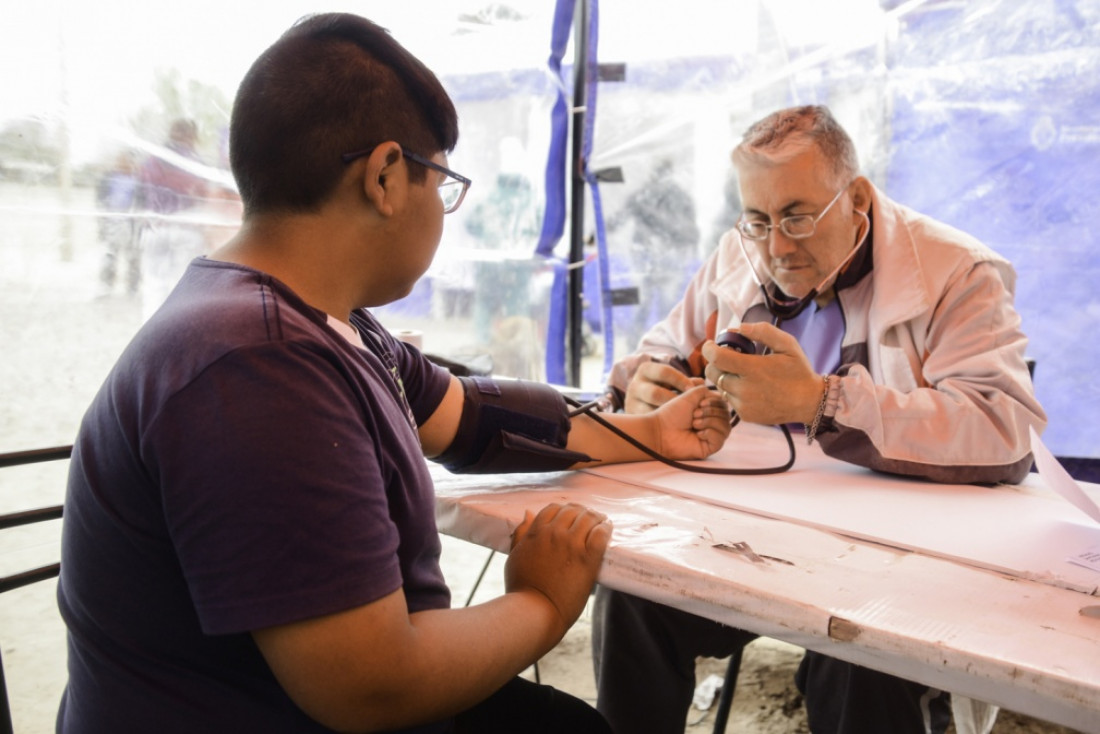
x,y
590,409
782,309
786,309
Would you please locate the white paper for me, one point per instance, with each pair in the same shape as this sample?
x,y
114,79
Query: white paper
x,y
1089,558
1058,479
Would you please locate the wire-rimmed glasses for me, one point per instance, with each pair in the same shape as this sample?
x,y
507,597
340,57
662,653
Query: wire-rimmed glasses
x,y
788,308
452,190
797,227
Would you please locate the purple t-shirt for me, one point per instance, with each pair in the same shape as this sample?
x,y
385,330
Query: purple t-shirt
x,y
243,466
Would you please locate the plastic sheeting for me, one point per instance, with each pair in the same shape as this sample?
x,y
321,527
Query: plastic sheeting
x,y
979,114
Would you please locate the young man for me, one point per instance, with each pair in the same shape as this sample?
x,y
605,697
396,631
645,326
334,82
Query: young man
x,y
249,540
890,336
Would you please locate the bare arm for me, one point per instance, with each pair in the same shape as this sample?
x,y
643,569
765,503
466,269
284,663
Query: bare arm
x,y
692,425
438,431
378,667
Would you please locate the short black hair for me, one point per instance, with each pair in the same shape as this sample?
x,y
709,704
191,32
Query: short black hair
x,y
331,84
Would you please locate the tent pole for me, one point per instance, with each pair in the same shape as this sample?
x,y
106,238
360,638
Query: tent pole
x,y
575,304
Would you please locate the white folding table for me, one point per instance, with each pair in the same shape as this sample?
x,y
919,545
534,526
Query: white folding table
x,y
1016,625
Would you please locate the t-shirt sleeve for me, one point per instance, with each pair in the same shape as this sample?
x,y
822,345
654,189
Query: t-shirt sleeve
x,y
273,490
425,382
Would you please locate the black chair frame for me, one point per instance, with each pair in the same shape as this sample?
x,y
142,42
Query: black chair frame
x,y
24,578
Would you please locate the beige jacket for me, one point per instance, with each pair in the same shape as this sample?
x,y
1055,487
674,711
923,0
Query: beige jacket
x,y
933,381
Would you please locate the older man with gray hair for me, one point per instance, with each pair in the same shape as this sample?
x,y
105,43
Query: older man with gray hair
x,y
892,338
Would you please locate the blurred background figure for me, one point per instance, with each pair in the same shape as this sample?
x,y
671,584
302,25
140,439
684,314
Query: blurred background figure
x,y
116,195
506,224
171,190
663,246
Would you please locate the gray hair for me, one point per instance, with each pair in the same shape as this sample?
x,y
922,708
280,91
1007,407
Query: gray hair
x,y
784,134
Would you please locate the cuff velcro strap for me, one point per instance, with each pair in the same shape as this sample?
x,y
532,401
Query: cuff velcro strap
x,y
508,453
510,426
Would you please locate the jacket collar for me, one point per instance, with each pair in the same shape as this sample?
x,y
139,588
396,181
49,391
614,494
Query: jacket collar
x,y
898,263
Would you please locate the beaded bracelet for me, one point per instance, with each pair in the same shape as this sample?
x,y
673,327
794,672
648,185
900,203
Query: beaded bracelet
x,y
811,430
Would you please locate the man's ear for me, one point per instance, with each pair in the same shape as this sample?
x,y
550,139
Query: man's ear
x,y
861,194
385,177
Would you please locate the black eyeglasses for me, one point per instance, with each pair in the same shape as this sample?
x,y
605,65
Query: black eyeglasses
x,y
452,190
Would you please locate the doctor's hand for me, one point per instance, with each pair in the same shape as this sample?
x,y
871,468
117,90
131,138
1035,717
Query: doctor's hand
x,y
778,387
653,385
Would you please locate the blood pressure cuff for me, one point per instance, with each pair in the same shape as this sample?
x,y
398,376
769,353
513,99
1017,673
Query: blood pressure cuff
x,y
510,426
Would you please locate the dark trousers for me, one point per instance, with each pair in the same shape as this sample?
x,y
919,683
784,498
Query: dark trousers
x,y
848,698
644,655
524,706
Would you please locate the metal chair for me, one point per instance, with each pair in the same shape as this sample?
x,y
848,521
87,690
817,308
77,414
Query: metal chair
x,y
725,698
23,578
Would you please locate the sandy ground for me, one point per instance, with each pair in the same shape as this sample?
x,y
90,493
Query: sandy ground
x,y
59,335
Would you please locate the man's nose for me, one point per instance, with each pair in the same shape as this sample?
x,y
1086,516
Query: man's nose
x,y
779,244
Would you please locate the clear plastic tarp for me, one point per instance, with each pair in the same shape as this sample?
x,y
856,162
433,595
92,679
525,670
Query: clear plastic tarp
x,y
113,174
981,114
